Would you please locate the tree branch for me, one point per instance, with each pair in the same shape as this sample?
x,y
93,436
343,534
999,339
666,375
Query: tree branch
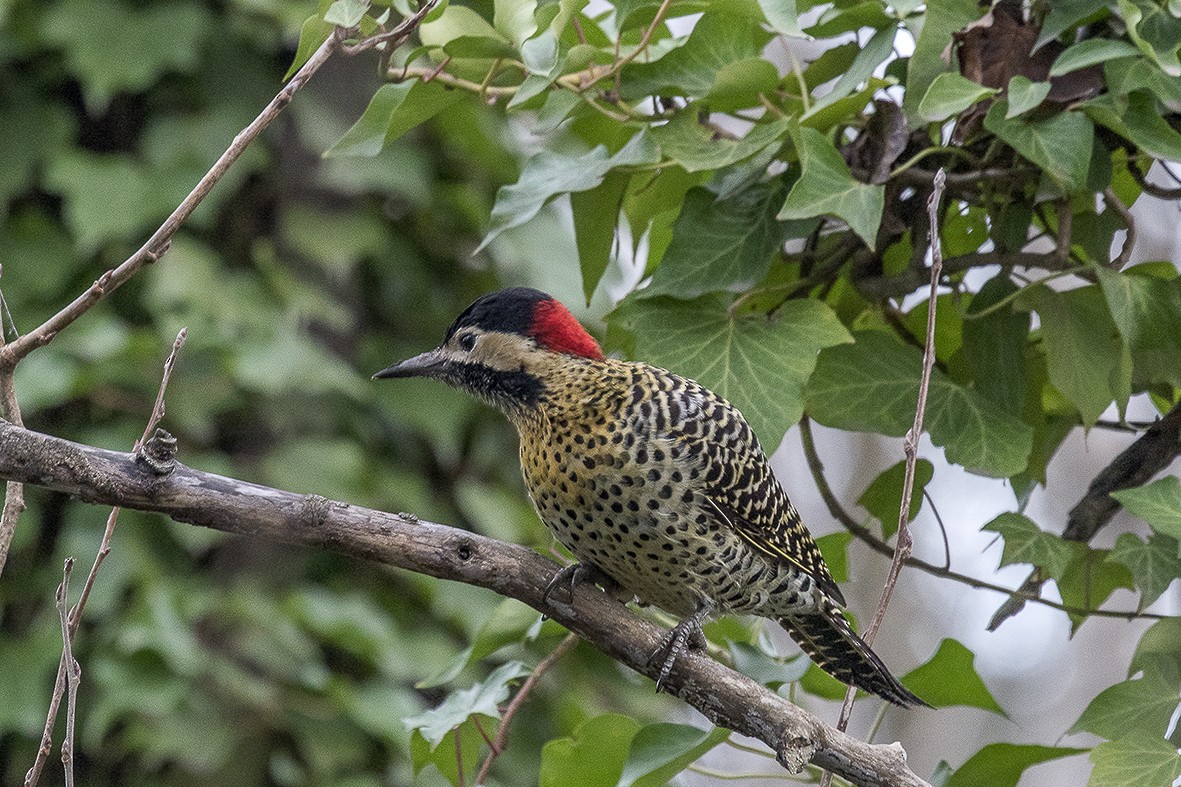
x,y
187,495
1148,455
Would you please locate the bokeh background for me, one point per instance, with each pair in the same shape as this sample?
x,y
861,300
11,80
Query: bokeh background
x,y
216,660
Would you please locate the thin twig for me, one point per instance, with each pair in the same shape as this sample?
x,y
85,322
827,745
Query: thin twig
x,y
498,746
816,466
14,493
104,549
393,37
904,543
73,671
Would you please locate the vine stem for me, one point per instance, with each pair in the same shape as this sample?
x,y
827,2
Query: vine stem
x,y
498,746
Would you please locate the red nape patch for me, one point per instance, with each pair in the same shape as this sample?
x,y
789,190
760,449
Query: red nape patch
x,y
555,328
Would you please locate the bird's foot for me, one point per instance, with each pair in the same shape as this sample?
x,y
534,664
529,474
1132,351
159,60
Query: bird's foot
x,y
566,578
686,634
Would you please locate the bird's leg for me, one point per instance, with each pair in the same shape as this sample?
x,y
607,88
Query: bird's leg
x,y
568,577
687,633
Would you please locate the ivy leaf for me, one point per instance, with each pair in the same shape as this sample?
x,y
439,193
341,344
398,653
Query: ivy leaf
x,y
758,364
696,147
720,244
1158,504
1161,644
942,20
1060,144
1025,542
994,345
1140,708
1154,564
1083,350
719,39
1147,311
1089,52
950,678
1025,95
879,47
593,756
514,19
510,622
462,32
661,751
1001,764
757,665
1089,580
949,95
394,109
781,16
596,215
883,497
835,549
483,699
346,13
1134,760
872,386
827,186
1065,15
549,174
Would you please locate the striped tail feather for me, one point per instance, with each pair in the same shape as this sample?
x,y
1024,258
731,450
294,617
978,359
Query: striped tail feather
x,y
832,644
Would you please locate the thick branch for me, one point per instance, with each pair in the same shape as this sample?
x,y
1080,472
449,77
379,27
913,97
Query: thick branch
x,y
187,495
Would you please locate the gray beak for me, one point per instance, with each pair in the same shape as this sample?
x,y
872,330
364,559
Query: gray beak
x,y
427,364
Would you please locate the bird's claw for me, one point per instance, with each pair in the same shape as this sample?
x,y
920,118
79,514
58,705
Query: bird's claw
x,y
686,634
568,577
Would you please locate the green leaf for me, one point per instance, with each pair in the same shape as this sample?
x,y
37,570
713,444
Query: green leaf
x,y
1083,350
312,33
548,174
1147,312
394,109
1140,707
1155,31
883,497
153,40
1024,95
107,197
760,365
661,751
1154,564
1161,644
826,186
1158,504
1089,52
848,17
483,699
950,678
872,386
739,85
755,663
596,215
1060,144
1134,760
461,32
594,756
1025,542
720,244
781,16
719,39
514,19
1065,14
879,47
510,622
835,549
994,345
1001,764
1089,581
949,95
346,13
696,147
942,20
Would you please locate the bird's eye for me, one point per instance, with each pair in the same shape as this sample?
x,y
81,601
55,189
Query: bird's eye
x,y
467,342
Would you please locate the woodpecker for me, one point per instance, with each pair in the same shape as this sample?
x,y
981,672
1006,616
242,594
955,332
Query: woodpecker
x,y
654,483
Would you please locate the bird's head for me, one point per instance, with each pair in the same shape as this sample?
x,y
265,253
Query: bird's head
x,y
503,347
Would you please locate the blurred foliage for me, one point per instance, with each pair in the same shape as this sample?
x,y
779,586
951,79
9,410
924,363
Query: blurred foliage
x,y
778,208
